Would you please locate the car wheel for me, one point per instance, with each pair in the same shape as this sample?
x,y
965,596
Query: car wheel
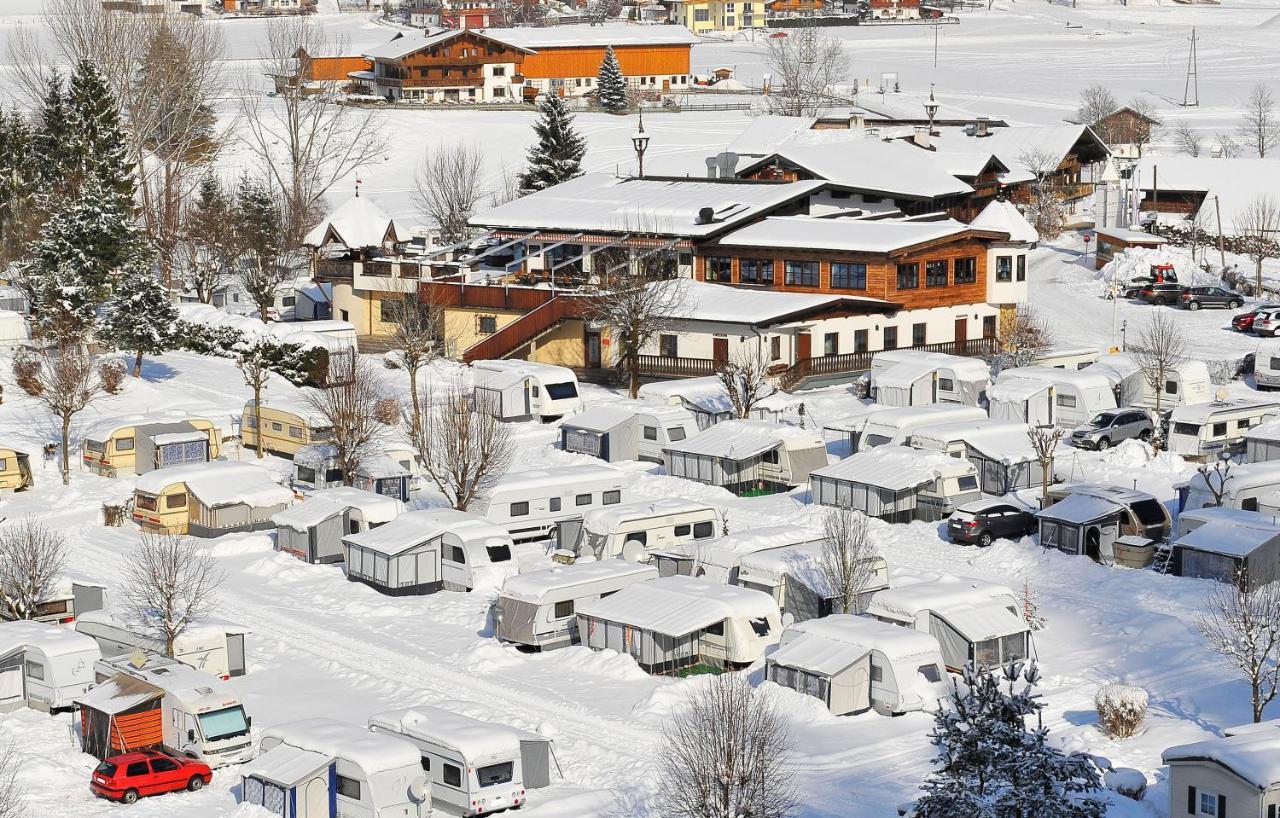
x,y
1103,444
1234,305
130,797
1157,302
196,783
1193,305
1145,435
984,540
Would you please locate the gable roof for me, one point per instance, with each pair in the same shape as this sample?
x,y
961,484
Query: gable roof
x,y
356,224
1253,756
1002,216
531,40
870,164
851,235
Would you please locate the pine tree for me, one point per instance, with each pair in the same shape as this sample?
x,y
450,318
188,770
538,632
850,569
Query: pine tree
x,y
557,155
207,239
259,231
98,143
611,86
19,185
139,316
53,143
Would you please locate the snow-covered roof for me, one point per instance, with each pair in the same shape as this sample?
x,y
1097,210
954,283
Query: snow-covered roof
x,y
372,752
1007,442
534,368
741,439
49,639
1001,216
1267,430
609,518
1254,756
118,694
204,627
672,207
893,419
219,483
704,301
1201,413
192,436
862,633
677,605
847,235
285,765
103,429
819,655
1016,390
904,375
708,394
1210,514
321,505
1130,236
1080,509
381,467
896,468
1116,367
765,134
193,686
557,476
1229,185
1014,144
802,562
358,223
294,403
600,418
870,164
1079,378
978,609
416,527
1230,538
477,741
536,585
614,34
316,455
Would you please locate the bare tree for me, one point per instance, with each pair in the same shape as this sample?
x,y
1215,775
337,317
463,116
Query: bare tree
x,y
1215,479
1023,335
1226,145
1146,127
1260,126
1044,442
1258,227
1160,348
13,796
1096,103
419,336
253,359
447,188
727,754
745,380
849,556
32,559
170,582
1045,211
305,140
1187,140
462,449
1242,624
69,382
347,406
803,67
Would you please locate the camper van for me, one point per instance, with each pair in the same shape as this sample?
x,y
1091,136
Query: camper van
x,y
208,499
1266,365
313,529
631,530
795,577
1243,487
748,457
43,666
537,609
1200,431
1045,396
1186,382
15,470
524,390
288,424
322,768
422,552
163,703
136,445
629,430
530,503
67,599
211,645
895,426
906,377
476,767
1068,357
897,484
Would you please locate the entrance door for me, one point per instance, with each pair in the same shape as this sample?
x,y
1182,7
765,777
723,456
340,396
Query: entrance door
x,y
962,335
719,352
235,654
1093,544
316,800
804,346
591,349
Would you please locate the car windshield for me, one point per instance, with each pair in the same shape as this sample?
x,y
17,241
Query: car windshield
x,y
226,723
562,391
106,768
1102,421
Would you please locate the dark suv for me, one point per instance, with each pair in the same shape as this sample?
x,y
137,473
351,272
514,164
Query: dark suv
x,y
1160,294
1193,298
984,521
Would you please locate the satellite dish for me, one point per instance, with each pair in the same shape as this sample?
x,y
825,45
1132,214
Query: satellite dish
x,y
1222,393
138,658
633,551
788,619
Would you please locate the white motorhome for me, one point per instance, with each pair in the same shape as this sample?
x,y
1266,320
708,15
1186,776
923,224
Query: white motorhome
x,y
1266,365
1204,430
632,530
529,503
1243,487
895,426
1068,357
167,704
210,644
627,430
421,552
525,390
795,577
476,767
905,377
720,559
43,666
1186,382
897,484
1041,395
538,609
855,663
331,768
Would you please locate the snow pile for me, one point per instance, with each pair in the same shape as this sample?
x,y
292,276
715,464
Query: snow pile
x,y
1126,781
1134,454
1121,709
1136,262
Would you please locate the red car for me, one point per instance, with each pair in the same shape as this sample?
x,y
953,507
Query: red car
x,y
1243,322
129,776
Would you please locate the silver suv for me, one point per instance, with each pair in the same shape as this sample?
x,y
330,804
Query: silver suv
x,y
1110,427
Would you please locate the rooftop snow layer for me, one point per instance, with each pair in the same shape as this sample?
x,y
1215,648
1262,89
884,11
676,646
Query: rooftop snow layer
x,y
48,639
873,165
896,468
536,585
371,752
609,518
286,766
742,439
1254,756
1003,216
1080,509
357,223
478,742
850,235
678,605
1229,537
219,483
416,527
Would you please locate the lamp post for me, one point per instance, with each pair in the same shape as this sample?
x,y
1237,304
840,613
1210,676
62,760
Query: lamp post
x,y
640,141
931,109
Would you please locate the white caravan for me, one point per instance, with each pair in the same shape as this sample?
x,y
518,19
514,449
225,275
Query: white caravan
x,y
338,769
1203,430
1266,365
1243,488
538,609
720,559
627,430
845,431
1068,357
905,377
524,390
43,666
895,426
632,530
1186,382
210,644
476,767
529,503
710,404
1044,396
421,552
795,577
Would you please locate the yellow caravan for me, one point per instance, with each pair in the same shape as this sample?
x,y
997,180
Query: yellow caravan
x,y
288,425
143,443
15,469
208,499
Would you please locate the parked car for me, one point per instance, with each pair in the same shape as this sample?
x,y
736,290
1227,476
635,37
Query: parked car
x,y
1267,323
1243,322
1160,294
1160,274
132,775
1193,298
1106,429
984,521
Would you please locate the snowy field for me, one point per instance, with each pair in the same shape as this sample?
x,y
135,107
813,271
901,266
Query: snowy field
x,y
324,646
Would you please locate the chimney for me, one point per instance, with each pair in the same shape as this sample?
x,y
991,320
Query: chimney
x,y
922,138
712,163
706,215
728,162
970,128
984,126
857,121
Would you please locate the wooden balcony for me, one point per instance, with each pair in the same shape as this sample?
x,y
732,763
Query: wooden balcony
x,y
484,296
853,363
672,367
335,268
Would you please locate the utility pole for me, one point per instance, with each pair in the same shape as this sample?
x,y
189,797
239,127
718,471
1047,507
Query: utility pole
x,y
1191,90
936,28
1222,253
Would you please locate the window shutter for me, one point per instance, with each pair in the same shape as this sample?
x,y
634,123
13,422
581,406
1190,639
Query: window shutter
x,y
1222,806
1191,800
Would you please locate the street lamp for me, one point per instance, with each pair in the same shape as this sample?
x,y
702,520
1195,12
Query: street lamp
x,y
931,109
640,141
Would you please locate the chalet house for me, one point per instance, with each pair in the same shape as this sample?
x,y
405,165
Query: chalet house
x,y
496,64
895,9
701,16
262,6
794,7
1126,131
425,17
1214,188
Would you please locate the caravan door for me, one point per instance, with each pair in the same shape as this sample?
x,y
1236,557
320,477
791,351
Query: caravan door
x,y
13,693
235,654
567,533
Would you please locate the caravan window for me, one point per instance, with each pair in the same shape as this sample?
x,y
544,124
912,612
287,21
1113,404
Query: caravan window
x,y
176,500
582,500
554,504
1220,429
1171,387
703,530
306,474
930,673
277,427
611,498
124,444
969,483
1148,512
1069,401
35,670
651,433
519,509
683,530
426,764
145,502
1186,429
761,626
333,476
1243,423
498,553
564,609
348,788
987,653
675,433
295,432
946,385
717,629
496,774
877,673
452,775
562,391
770,456
454,553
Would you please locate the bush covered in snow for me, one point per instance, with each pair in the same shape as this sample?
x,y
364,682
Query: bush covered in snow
x,y
111,372
1121,709
26,371
1126,781
387,411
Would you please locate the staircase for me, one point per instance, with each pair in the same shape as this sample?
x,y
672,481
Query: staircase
x,y
525,329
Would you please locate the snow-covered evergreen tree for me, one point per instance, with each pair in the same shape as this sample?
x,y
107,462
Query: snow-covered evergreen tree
x,y
139,316
18,186
259,243
53,142
611,86
557,155
97,138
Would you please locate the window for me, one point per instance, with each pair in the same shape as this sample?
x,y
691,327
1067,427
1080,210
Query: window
x,y
488,324
499,70
775,351
1066,401
137,768
582,500
675,433
668,346
718,269
918,332
846,276
497,553
277,427
250,421
1208,803
968,483
930,673
683,530
176,500
499,91
755,271
35,670
289,301
452,775
908,276
860,340
145,502
946,385
1171,387
966,270
554,504
1004,268
1022,268
454,553
890,337
426,764
989,326
124,444
564,609
650,432
770,456
717,629
163,765
295,432
519,509
802,273
388,309
701,15
1220,429
703,530
831,343
935,273
495,774
760,625
348,788
877,673
611,498
1243,423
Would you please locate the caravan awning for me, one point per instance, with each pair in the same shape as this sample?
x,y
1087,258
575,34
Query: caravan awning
x,y
286,765
978,623
119,695
824,657
1079,509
